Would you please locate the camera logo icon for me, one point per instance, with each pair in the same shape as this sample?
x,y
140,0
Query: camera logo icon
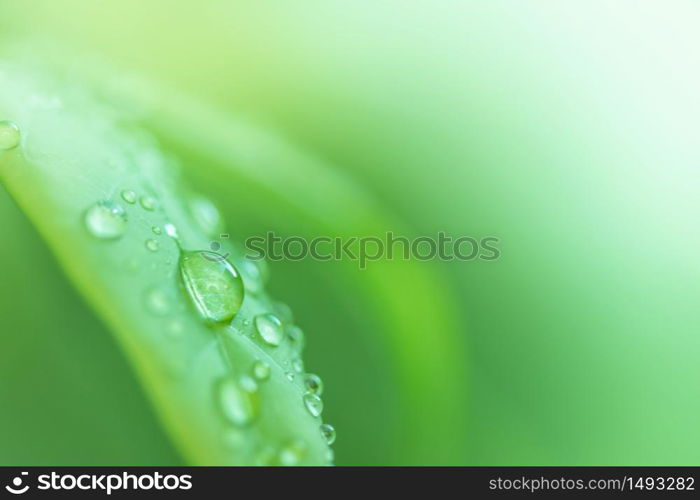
x,y
215,247
16,488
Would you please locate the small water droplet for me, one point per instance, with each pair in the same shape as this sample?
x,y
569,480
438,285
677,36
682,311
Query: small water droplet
x,y
105,220
170,230
213,285
206,215
157,230
9,135
152,245
239,403
157,301
290,376
261,370
297,365
148,203
313,384
328,432
129,196
313,403
270,329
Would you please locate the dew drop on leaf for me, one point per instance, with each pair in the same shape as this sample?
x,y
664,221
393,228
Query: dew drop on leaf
x,y
297,365
152,245
261,370
328,433
105,220
170,230
313,384
9,135
239,402
156,230
270,329
129,196
148,203
313,403
213,285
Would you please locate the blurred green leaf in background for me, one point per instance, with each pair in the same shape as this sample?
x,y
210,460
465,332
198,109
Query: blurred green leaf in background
x,y
567,130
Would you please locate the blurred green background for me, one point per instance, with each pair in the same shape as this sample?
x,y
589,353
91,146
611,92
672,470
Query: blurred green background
x,y
567,129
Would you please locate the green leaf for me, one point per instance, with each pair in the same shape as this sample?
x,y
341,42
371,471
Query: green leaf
x,y
293,192
258,177
108,200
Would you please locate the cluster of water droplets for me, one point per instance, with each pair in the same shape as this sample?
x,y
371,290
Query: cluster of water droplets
x,y
273,333
216,289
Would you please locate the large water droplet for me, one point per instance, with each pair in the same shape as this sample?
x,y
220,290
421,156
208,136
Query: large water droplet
x,y
239,402
261,370
270,329
213,285
105,220
313,403
328,432
206,215
313,384
9,135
